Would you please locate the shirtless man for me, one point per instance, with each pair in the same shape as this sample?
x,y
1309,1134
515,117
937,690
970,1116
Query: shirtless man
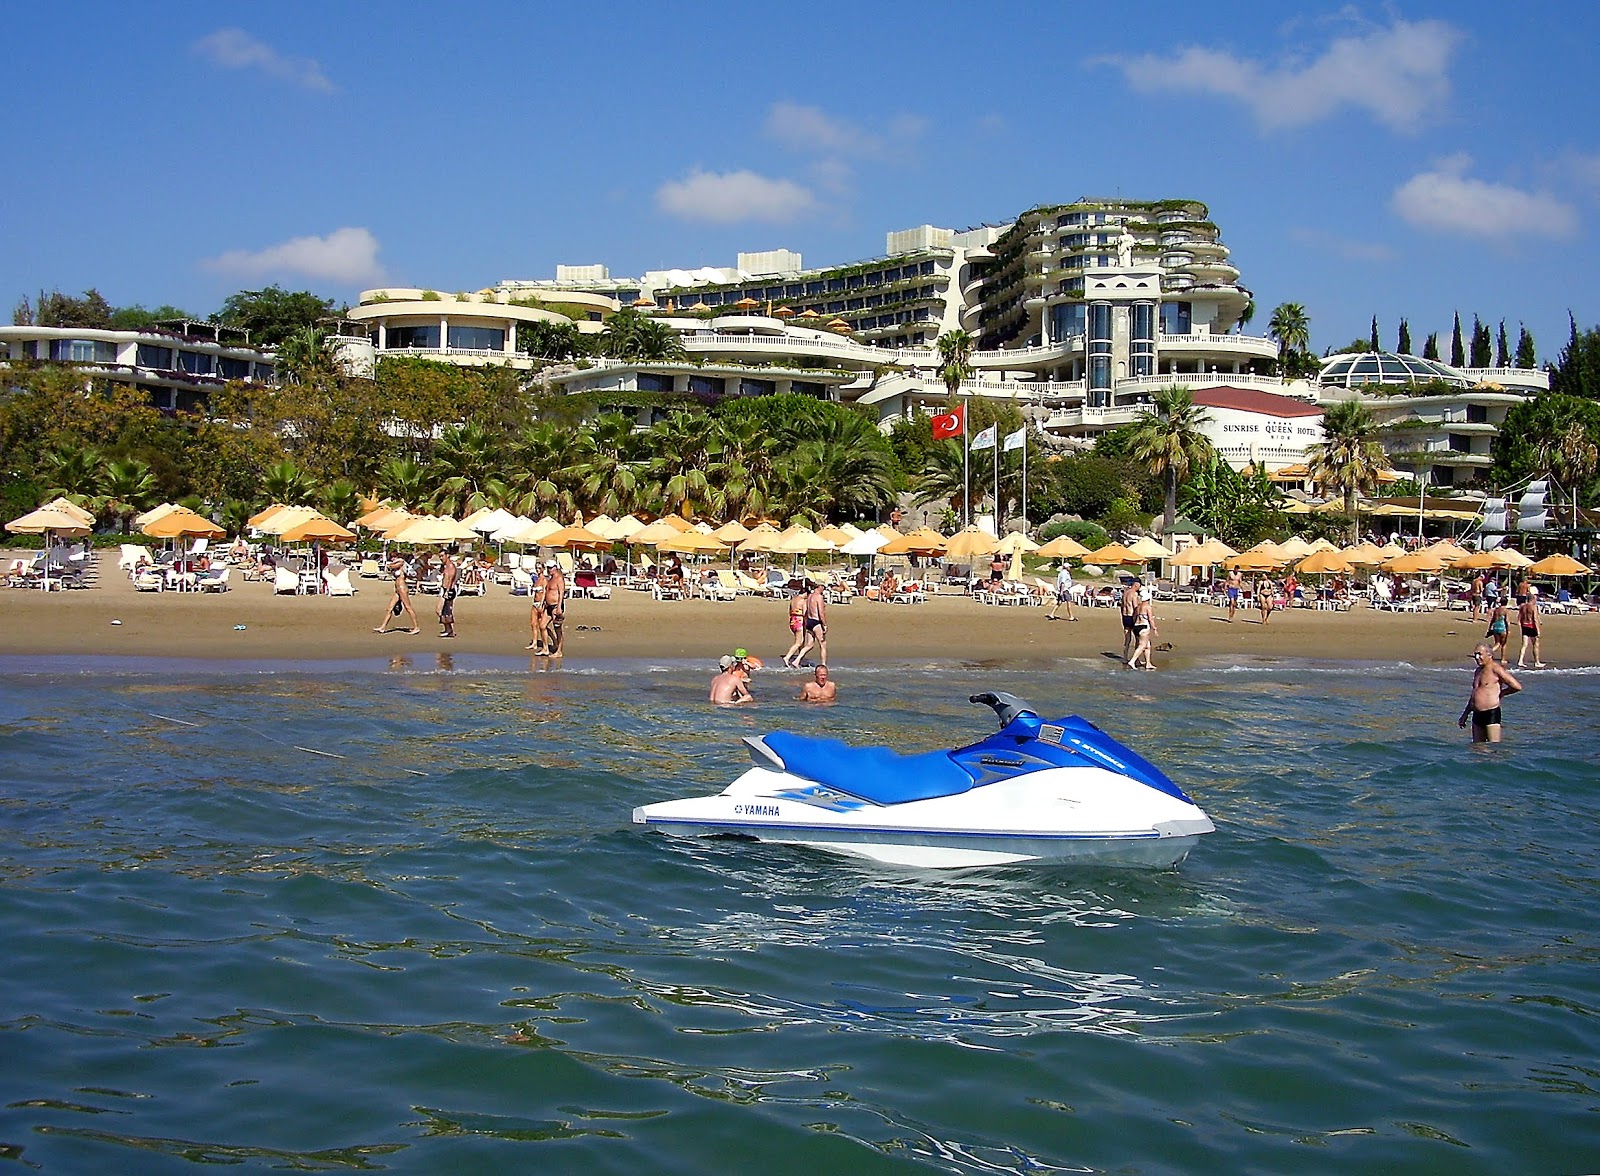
x,y
1235,586
1490,683
728,687
400,601
819,689
555,608
1528,618
1477,595
815,620
449,585
536,618
1128,603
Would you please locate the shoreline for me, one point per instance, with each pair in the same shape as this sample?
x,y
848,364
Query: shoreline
x,y
948,631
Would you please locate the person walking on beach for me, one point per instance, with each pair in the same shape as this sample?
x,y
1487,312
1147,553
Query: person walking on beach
x,y
1477,595
1235,586
1528,618
816,625
797,626
449,586
1499,628
1128,606
400,601
1144,628
819,689
555,608
1490,683
1264,594
1063,592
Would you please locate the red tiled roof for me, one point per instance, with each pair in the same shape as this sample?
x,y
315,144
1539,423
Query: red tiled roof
x,y
1254,400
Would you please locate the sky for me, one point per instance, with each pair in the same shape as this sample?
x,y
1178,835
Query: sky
x,y
1400,160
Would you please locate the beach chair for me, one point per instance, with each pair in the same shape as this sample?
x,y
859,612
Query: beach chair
x,y
216,580
133,557
337,581
285,581
749,583
661,591
370,570
521,582
149,579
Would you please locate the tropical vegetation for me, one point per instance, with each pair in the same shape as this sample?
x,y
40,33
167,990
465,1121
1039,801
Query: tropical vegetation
x,y
1349,458
1167,437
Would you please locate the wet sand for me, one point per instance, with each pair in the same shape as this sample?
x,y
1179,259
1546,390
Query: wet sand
x,y
947,628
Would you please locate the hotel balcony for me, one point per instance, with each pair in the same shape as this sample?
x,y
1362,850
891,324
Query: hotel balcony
x,y
1210,346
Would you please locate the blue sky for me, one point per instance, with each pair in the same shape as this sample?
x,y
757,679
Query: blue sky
x,y
1410,159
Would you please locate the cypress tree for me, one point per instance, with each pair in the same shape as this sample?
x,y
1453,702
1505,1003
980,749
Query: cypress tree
x,y
1373,344
1525,353
1430,349
1405,337
1458,354
1502,350
1482,344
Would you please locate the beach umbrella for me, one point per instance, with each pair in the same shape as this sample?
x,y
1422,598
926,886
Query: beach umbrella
x,y
1014,572
155,512
692,542
798,540
1417,563
1147,548
759,539
1115,553
183,524
601,525
1514,558
1446,550
1268,547
624,529
1203,555
261,516
1014,542
68,507
656,532
286,518
1392,549
732,531
1324,545
533,531
1063,547
575,537
372,517
1482,561
1558,565
851,530
1253,561
1365,555
488,522
923,541
1295,507
866,543
1294,548
676,522
969,542
318,530
433,529
1321,563
837,536
48,521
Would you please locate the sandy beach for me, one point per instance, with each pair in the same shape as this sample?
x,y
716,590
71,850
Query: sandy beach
x,y
949,628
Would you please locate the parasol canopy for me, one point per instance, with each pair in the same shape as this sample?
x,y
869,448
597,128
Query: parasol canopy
x,y
1558,565
575,537
1253,561
1321,563
692,542
181,524
1417,563
1147,548
922,541
1063,547
1116,553
1015,542
1204,554
48,520
433,529
969,542
320,530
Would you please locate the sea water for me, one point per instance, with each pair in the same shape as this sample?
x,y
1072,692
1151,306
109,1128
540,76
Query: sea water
x,y
395,918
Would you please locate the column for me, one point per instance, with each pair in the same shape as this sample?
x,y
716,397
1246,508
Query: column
x,y
444,331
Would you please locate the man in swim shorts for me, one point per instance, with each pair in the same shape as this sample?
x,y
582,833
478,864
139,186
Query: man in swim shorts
x,y
1128,603
1235,585
1490,683
1528,618
449,587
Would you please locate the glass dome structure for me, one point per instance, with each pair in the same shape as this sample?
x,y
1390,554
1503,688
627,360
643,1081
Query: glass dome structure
x,y
1385,367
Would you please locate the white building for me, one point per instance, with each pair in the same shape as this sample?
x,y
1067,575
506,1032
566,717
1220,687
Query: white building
x,y
176,364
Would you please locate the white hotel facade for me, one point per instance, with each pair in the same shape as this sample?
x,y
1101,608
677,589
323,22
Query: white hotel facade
x,y
1081,312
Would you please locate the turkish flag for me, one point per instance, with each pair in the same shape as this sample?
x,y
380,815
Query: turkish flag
x,y
950,424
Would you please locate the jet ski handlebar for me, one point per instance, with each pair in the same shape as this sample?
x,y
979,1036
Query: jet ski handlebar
x,y
1006,707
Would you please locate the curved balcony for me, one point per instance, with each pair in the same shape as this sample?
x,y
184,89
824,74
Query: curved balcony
x,y
1219,346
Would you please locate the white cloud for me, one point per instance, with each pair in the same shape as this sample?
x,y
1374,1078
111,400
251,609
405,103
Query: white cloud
x,y
237,49
727,197
1399,75
1582,170
811,130
348,256
1447,200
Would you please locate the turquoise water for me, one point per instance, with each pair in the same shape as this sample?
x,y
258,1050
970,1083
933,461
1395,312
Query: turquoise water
x,y
450,951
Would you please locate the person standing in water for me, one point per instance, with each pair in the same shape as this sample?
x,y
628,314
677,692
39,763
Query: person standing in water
x,y
1491,682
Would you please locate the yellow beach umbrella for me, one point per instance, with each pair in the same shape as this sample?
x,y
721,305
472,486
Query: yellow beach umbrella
x,y
320,530
1321,563
656,532
1115,553
970,542
732,531
1558,565
1147,548
1063,547
1482,561
1014,543
575,537
1365,555
625,528
1295,548
1417,563
1212,551
692,542
1253,561
67,507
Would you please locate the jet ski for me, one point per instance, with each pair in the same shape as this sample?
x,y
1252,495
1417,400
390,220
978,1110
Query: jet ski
x,y
1036,791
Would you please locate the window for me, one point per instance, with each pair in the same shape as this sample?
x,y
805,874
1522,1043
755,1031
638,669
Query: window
x,y
1176,318
196,363
407,337
83,351
1100,321
1143,321
707,385
233,369
1067,322
151,356
1477,414
480,338
1099,376
748,387
1460,443
264,372
653,382
802,388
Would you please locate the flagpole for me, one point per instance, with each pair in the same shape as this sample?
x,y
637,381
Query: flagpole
x,y
966,468
1024,477
997,484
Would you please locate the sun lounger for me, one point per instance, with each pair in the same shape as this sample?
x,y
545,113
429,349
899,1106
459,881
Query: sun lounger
x,y
337,582
149,579
662,592
216,580
285,581
370,570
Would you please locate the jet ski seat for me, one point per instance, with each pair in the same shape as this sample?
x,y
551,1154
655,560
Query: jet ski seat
x,y
874,774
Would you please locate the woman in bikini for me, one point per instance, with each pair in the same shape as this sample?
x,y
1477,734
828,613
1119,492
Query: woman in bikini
x,y
797,626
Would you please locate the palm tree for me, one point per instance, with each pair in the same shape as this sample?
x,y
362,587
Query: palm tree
x,y
73,472
942,476
341,501
543,476
465,461
629,335
687,464
1167,438
287,482
1349,457
403,480
307,356
129,487
955,359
